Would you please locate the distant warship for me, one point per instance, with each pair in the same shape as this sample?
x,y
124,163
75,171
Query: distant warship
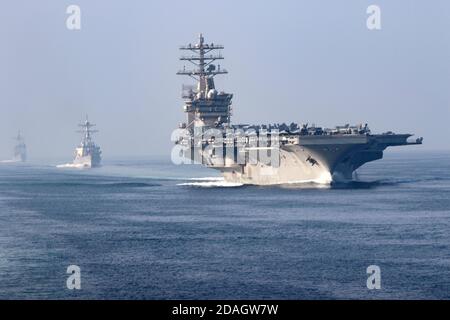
x,y
296,153
87,154
20,149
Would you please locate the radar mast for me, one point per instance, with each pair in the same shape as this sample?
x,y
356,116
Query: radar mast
x,y
205,106
86,131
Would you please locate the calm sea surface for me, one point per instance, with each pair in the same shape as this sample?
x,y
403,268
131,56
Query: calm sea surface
x,y
146,229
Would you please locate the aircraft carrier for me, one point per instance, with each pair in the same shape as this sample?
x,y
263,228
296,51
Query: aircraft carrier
x,y
265,154
87,154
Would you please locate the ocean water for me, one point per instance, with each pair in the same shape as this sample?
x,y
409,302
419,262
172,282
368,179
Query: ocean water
x,y
146,229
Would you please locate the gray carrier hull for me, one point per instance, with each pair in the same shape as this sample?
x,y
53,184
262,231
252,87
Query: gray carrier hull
x,y
318,159
312,158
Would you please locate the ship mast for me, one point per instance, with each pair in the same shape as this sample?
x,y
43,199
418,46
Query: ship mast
x,y
205,107
87,132
204,71
19,138
20,151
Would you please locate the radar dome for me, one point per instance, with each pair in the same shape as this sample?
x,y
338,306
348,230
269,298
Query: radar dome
x,y
212,93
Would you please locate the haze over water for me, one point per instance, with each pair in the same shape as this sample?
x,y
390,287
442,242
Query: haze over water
x,y
294,61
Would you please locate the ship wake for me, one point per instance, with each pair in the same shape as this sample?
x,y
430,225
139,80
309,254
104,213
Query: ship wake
x,y
324,179
211,182
9,161
71,165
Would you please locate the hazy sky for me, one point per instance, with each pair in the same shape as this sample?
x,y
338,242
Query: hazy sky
x,y
302,61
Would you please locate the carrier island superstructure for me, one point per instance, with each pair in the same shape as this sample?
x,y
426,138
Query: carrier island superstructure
x,y
266,154
87,154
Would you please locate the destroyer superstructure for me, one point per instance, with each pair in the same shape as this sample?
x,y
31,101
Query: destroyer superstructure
x,y
296,153
87,154
20,149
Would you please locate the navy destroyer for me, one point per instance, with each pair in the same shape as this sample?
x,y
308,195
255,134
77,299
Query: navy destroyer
x,y
87,154
265,154
20,149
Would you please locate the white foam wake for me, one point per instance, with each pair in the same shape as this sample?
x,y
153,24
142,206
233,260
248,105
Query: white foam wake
x,y
9,161
211,182
325,178
71,165
208,179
